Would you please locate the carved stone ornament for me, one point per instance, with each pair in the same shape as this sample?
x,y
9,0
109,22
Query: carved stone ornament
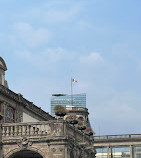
x,y
53,150
24,143
57,130
61,149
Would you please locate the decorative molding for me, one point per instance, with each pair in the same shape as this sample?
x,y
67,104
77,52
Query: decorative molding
x,y
24,143
53,150
61,149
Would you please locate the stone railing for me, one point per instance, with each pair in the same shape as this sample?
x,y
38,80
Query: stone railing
x,y
29,105
123,136
53,128
26,129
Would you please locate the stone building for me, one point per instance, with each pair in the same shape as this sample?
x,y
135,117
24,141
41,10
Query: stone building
x,y
29,132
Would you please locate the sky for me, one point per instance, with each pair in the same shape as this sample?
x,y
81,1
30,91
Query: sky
x,y
98,42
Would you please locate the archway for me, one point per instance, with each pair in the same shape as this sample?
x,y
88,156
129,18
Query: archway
x,y
26,154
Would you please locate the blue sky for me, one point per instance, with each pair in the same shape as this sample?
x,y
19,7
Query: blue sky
x,y
45,43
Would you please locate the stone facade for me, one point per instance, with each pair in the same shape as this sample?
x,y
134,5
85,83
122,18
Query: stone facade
x,y
29,132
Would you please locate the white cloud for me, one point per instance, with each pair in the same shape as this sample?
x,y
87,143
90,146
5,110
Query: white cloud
x,y
50,56
62,11
57,54
122,49
56,11
29,35
26,54
83,25
118,106
92,58
60,15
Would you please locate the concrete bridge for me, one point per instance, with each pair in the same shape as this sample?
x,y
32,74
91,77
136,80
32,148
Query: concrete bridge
x,y
44,139
109,142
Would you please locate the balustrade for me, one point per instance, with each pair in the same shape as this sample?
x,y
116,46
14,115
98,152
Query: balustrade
x,y
24,129
53,128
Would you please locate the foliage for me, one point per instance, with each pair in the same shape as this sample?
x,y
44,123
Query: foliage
x,y
60,108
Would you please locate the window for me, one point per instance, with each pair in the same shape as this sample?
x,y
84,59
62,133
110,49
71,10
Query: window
x,y
10,115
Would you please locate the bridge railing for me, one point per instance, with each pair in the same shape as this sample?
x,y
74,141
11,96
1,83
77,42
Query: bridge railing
x,y
106,137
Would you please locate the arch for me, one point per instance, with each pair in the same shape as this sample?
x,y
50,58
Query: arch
x,y
2,64
26,154
16,151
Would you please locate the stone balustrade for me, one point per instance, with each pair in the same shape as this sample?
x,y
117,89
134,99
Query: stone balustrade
x,y
52,128
26,129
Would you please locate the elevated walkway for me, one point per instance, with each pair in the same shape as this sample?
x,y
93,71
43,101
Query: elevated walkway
x,y
117,140
118,146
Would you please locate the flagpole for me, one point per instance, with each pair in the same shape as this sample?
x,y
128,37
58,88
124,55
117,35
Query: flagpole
x,y
71,93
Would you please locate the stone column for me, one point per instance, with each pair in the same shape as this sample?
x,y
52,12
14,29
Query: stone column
x,y
131,151
1,149
107,151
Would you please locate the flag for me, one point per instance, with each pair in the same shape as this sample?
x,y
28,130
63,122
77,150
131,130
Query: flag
x,y
73,80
